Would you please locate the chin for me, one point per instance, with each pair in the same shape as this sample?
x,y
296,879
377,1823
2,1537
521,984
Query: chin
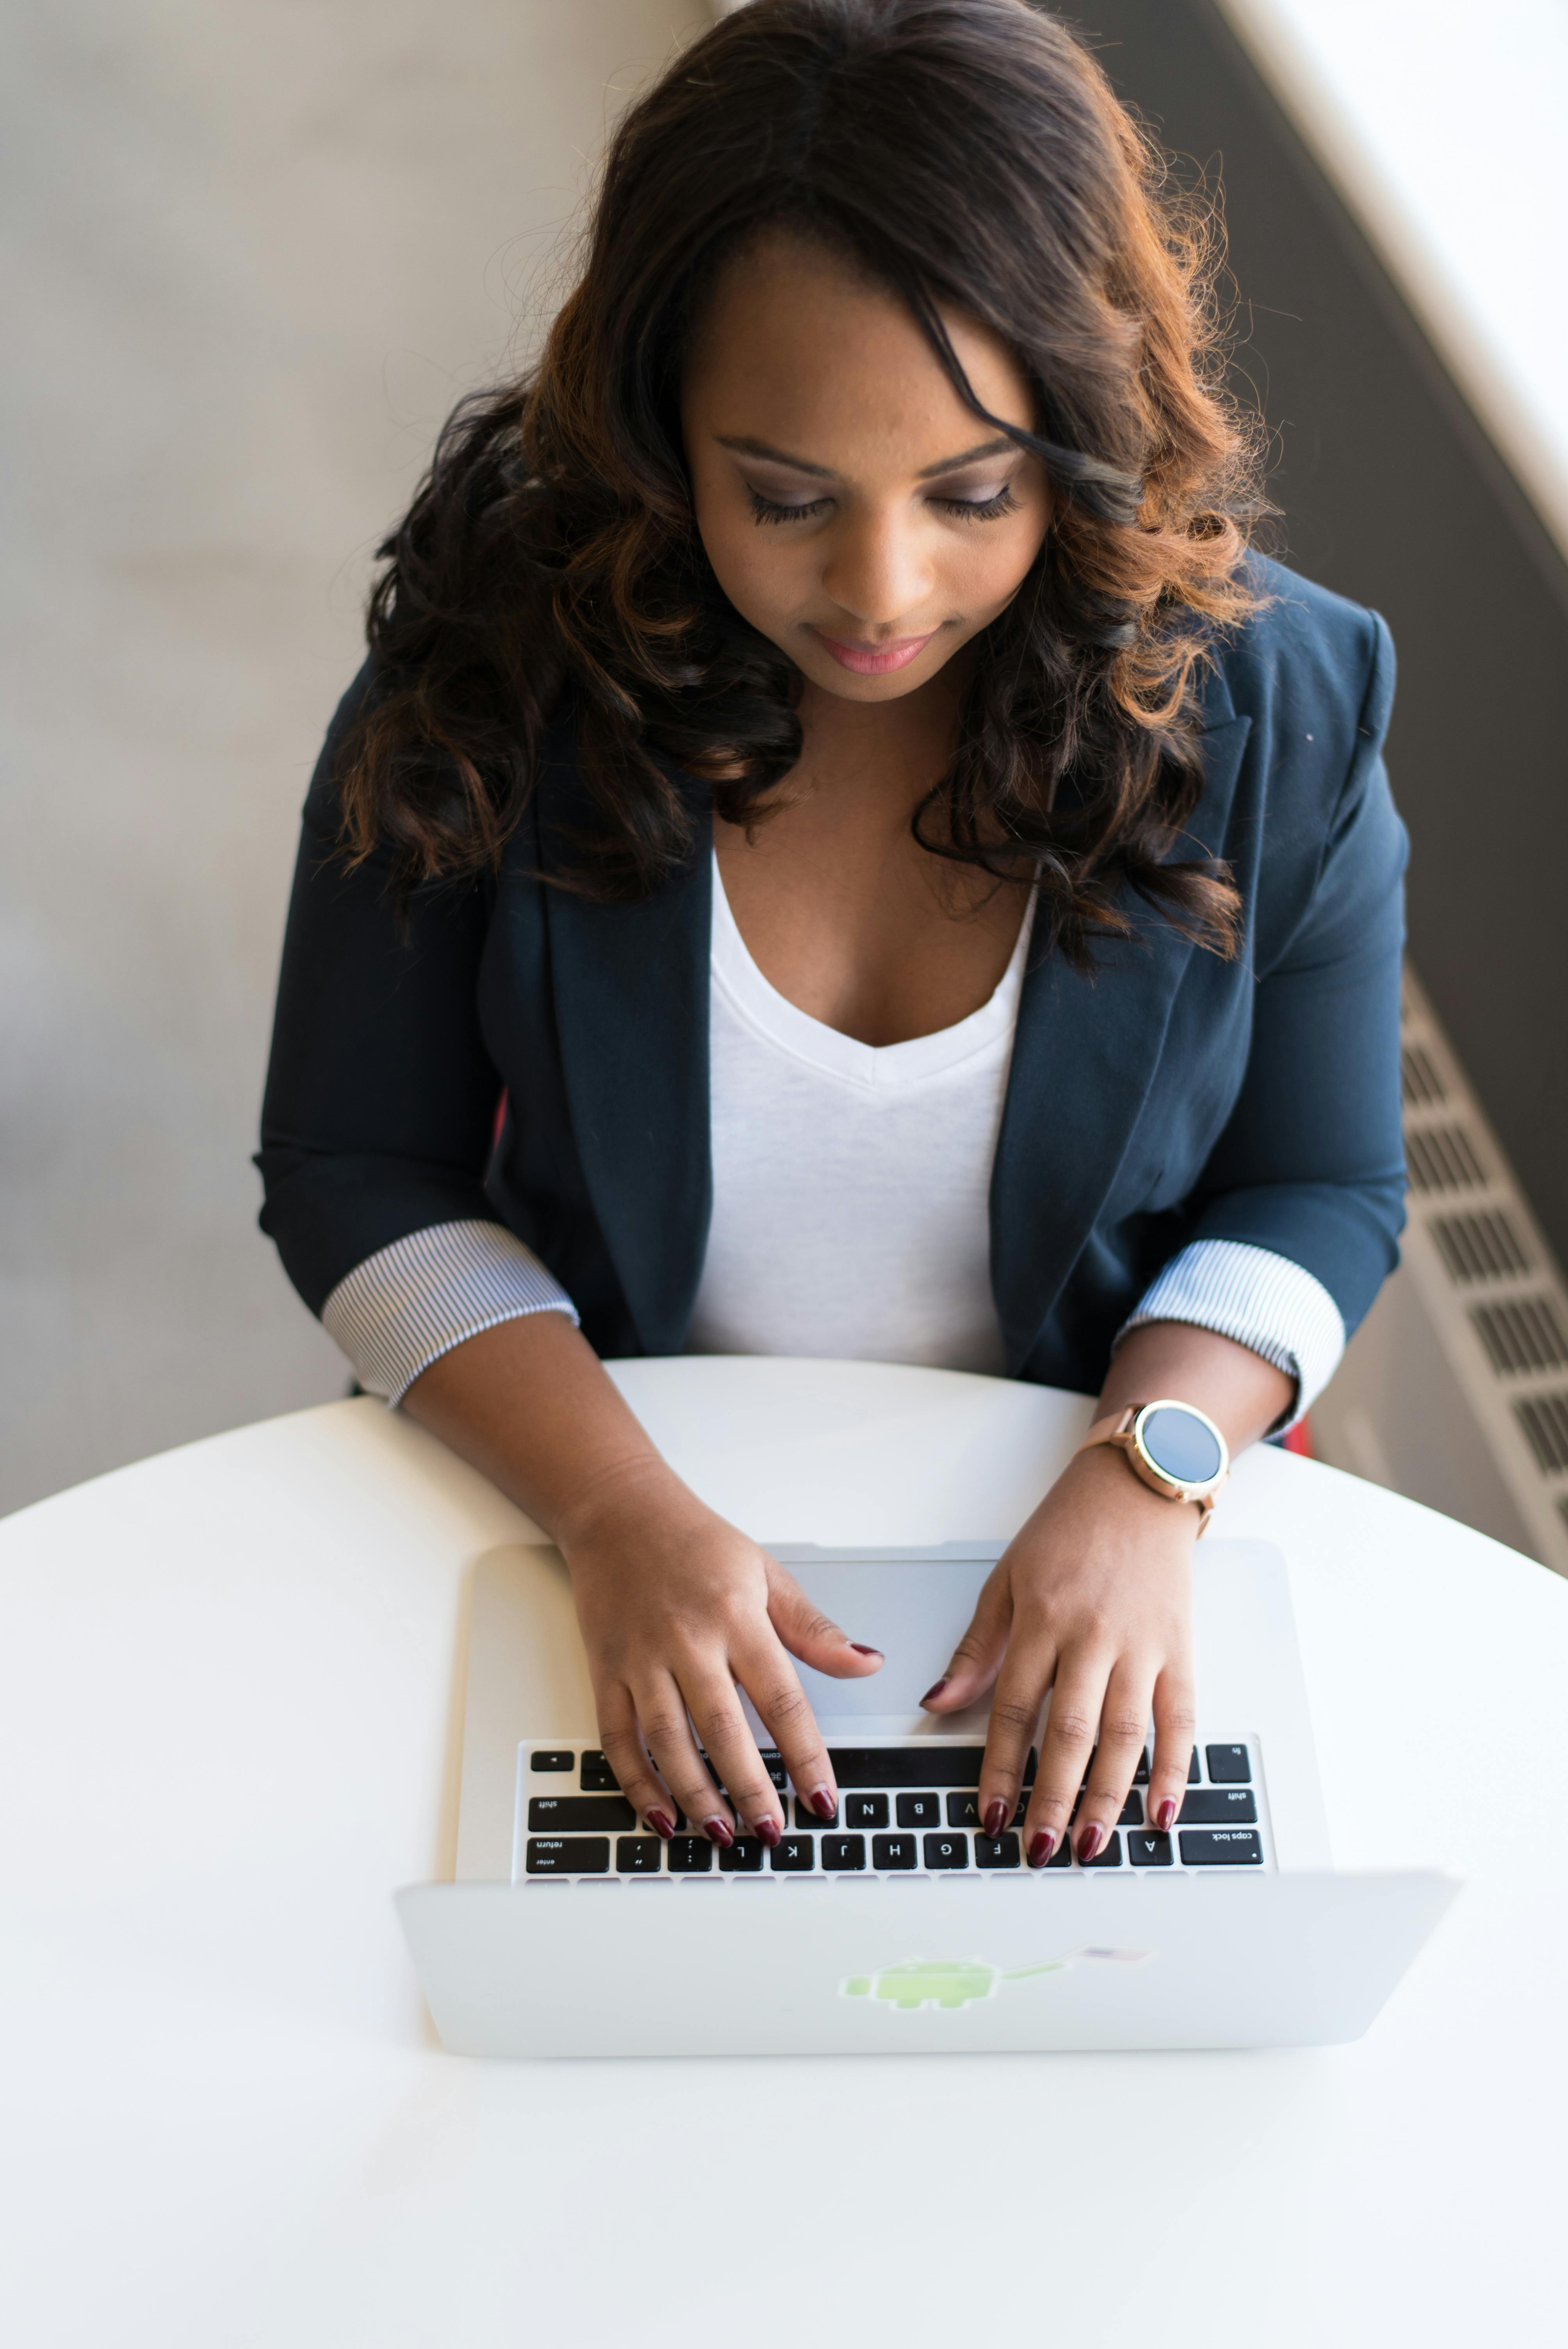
x,y
829,677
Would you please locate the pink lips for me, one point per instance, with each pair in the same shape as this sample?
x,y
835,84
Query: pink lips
x,y
873,660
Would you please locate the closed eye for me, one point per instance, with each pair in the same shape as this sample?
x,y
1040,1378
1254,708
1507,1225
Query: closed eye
x,y
770,510
981,508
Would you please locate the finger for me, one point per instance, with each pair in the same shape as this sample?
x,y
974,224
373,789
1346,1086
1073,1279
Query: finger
x,y
769,1679
621,1742
662,1710
813,1636
978,1658
1175,1721
1123,1722
721,1725
1014,1718
1065,1749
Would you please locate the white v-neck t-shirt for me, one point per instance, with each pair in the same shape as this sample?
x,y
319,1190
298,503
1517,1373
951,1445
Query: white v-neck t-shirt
x,y
850,1182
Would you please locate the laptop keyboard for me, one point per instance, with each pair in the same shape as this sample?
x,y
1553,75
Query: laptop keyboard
x,y
904,1809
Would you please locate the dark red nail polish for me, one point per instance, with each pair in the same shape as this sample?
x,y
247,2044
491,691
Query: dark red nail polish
x,y
995,1817
1089,1844
1041,1847
864,1651
663,1825
1163,1814
718,1831
822,1803
937,1688
769,1832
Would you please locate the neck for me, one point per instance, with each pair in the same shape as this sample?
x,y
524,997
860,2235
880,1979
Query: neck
x,y
887,751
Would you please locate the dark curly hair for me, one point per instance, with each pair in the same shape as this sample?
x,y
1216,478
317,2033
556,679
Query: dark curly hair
x,y
968,154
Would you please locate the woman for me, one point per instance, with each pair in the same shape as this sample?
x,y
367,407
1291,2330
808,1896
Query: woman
x,y
838,849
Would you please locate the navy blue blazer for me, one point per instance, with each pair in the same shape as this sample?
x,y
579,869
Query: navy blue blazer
x,y
1167,1097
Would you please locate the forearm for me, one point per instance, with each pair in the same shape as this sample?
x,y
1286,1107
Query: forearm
x,y
1242,1393
530,1405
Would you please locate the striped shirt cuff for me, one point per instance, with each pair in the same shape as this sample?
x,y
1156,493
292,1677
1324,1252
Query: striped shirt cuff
x,y
1263,1301
408,1304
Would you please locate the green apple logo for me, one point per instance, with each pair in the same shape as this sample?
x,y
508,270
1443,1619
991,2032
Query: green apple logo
x,y
953,1982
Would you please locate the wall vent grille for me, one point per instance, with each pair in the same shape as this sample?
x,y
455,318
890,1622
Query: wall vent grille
x,y
1443,1158
1419,1081
1497,1299
1523,1334
1479,1246
1544,1419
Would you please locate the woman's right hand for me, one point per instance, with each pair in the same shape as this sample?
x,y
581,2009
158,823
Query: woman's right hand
x,y
678,1612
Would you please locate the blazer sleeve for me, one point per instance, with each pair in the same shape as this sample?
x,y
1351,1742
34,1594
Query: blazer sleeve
x,y
1311,1165
381,1099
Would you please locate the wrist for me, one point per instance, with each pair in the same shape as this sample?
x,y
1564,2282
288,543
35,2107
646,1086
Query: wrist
x,y
640,1485
1103,1482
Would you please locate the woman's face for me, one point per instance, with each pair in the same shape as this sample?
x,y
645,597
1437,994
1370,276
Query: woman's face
x,y
853,509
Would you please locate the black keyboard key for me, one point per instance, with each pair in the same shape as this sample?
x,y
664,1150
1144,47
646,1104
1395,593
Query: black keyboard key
x,y
1147,1849
1140,1776
569,1855
1110,1857
638,1856
1229,1765
1218,1806
906,1765
1222,1848
947,1851
744,1856
997,1851
597,1777
1192,1769
894,1851
920,1810
773,1763
690,1855
866,1810
841,1852
913,1766
570,1814
805,1816
964,1811
550,1758
795,1854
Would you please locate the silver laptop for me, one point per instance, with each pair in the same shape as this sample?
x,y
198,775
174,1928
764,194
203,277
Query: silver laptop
x,y
898,1927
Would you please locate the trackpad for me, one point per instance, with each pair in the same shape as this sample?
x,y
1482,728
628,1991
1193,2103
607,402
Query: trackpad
x,y
916,1611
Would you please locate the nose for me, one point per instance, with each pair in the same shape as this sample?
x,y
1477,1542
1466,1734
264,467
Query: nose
x,y
877,569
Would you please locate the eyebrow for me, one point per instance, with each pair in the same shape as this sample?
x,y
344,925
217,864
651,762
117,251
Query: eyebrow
x,y
745,446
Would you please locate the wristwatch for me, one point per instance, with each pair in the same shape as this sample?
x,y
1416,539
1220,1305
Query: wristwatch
x,y
1174,1448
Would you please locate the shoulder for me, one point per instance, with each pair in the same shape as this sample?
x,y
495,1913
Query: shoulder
x,y
1304,655
1294,711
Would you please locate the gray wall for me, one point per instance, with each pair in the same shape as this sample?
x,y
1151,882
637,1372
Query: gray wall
x,y
1392,495
251,253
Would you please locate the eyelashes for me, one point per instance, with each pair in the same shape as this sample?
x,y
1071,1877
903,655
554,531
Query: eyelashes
x,y
765,510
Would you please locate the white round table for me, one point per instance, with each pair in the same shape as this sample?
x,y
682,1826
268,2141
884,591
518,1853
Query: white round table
x,y
229,1721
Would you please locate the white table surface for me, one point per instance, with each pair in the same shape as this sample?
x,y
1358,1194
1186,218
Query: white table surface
x,y
228,1728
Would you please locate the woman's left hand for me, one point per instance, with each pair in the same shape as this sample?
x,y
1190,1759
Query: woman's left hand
x,y
1092,1599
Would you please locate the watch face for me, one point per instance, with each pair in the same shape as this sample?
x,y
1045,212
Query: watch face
x,y
1181,1444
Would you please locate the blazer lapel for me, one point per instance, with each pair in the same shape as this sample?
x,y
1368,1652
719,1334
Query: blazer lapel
x,y
631,991
1085,1054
